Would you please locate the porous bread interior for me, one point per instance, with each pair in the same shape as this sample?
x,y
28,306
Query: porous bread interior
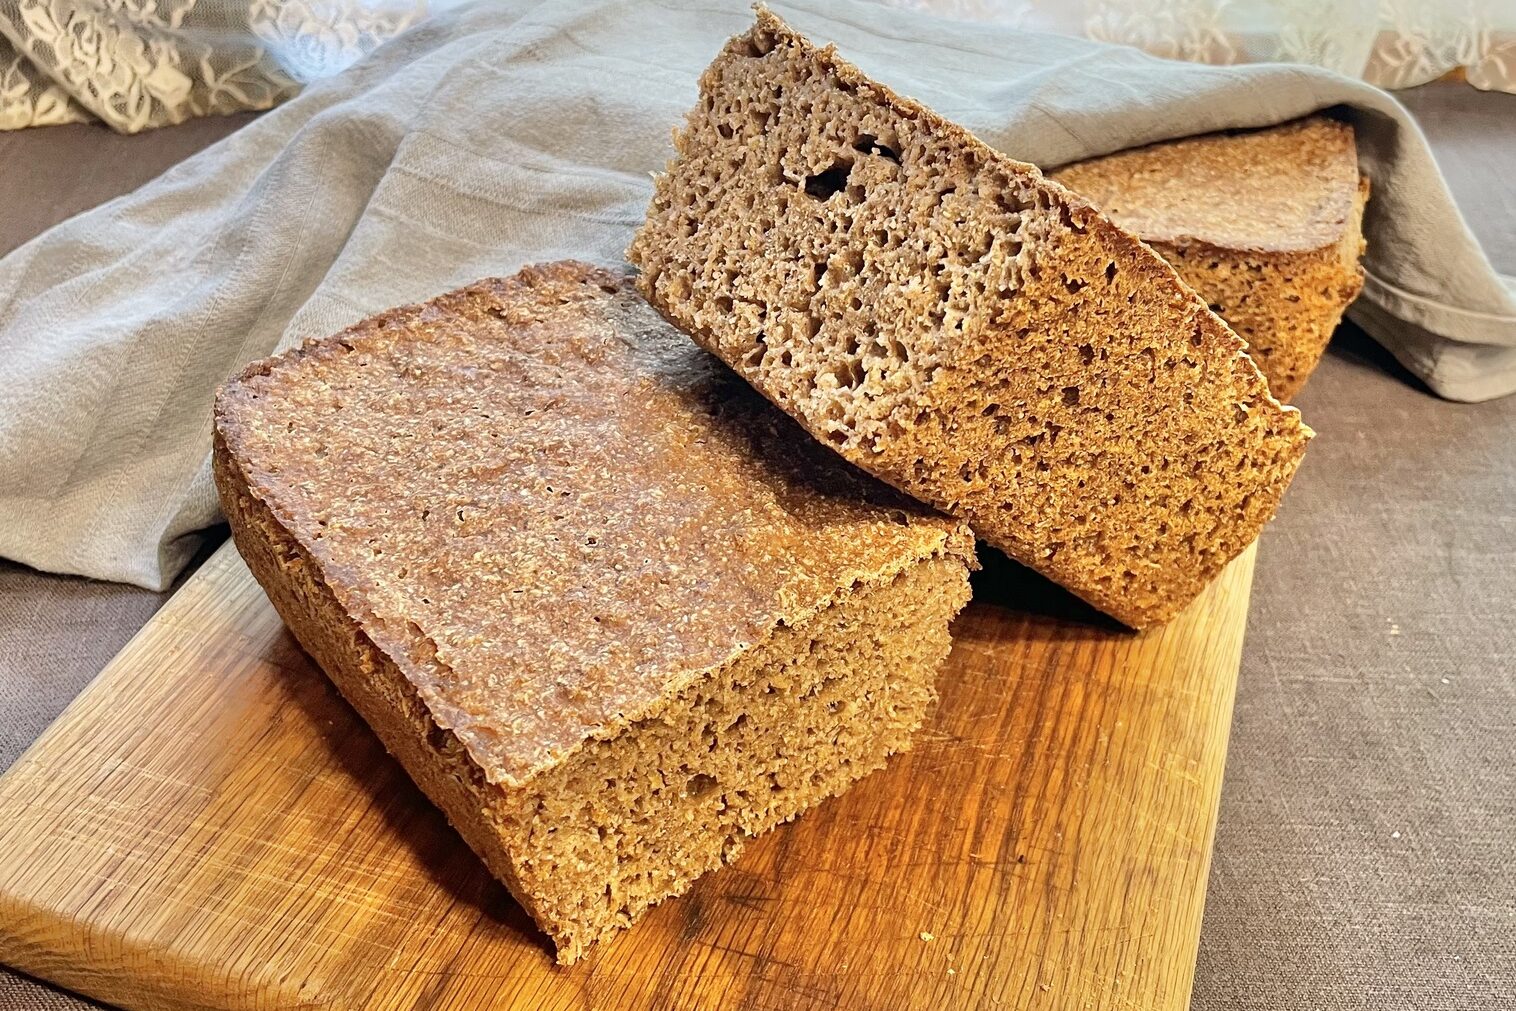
x,y
1284,305
953,323
593,842
639,817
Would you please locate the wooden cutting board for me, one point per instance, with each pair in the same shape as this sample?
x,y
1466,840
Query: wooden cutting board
x,y
210,826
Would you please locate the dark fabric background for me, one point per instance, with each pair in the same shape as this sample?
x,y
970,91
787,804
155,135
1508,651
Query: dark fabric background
x,y
1365,849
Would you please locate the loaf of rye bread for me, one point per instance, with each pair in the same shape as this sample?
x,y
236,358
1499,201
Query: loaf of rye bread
x,y
612,611
950,321
1266,226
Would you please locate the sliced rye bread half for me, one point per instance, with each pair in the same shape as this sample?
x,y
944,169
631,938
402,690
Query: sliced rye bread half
x,y
1266,225
952,322
612,611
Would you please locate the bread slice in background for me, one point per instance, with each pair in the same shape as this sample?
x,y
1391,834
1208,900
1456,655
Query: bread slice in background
x,y
950,321
610,610
1266,225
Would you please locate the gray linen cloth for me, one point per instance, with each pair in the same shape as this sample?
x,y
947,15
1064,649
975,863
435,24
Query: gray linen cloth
x,y
504,133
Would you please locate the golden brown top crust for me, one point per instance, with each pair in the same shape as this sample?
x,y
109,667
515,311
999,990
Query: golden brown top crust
x,y
1284,189
551,508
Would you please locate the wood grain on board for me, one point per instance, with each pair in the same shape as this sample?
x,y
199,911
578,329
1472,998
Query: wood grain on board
x,y
209,825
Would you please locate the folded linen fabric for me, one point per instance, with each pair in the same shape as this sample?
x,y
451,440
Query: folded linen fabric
x,y
506,133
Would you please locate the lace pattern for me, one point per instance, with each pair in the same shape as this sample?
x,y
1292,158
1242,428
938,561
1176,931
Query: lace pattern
x,y
137,64
1389,43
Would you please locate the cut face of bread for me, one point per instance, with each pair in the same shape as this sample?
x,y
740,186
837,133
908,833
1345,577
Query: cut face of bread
x,y
1266,225
609,609
948,320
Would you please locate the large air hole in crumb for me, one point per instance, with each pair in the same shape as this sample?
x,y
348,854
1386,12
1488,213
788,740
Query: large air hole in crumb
x,y
825,185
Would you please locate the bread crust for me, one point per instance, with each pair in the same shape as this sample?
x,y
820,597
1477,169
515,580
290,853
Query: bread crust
x,y
623,445
562,814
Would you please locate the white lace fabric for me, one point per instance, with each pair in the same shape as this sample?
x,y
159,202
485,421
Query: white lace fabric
x,y
1388,43
138,64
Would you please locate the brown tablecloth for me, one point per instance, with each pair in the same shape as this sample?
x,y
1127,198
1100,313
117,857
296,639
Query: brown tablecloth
x,y
1363,858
